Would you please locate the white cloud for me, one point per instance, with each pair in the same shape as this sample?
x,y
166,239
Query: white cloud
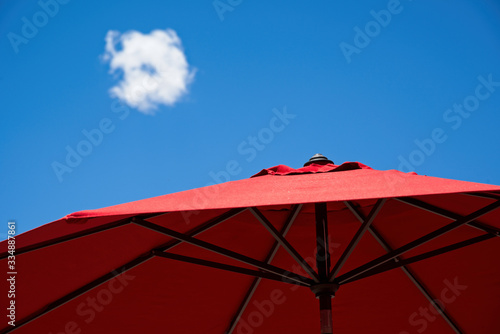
x,y
155,69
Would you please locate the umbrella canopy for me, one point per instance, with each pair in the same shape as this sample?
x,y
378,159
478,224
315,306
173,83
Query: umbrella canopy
x,y
320,249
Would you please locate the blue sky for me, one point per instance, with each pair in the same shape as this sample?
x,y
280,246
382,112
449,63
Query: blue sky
x,y
414,85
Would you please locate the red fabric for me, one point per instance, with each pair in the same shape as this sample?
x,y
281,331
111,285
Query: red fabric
x,y
362,183
312,168
161,295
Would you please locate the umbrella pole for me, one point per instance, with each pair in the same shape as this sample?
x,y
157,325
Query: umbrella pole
x,y
325,309
324,290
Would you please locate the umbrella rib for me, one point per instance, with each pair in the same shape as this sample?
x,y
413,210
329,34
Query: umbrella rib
x,y
222,251
484,195
129,265
227,267
284,243
408,272
253,287
80,291
447,214
205,226
357,237
430,236
68,237
404,262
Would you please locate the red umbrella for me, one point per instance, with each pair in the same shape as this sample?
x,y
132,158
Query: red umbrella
x,y
392,252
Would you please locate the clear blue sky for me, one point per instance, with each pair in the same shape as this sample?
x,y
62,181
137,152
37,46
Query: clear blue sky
x,y
354,95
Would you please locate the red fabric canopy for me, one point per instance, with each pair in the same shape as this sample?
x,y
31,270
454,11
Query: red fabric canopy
x,y
360,182
68,270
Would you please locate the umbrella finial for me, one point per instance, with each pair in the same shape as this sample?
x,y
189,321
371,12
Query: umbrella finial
x,y
319,159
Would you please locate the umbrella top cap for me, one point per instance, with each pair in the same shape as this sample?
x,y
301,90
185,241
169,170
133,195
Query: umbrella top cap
x,y
318,159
